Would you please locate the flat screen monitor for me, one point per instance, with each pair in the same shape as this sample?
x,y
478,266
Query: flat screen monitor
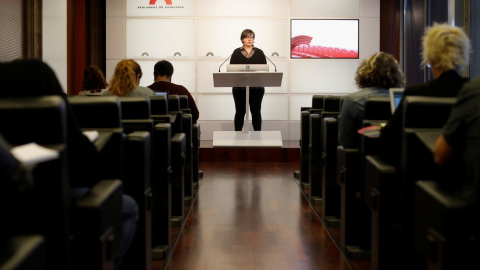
x,y
246,68
396,95
324,38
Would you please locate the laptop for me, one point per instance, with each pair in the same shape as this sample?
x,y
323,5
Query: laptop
x,y
163,93
247,68
396,95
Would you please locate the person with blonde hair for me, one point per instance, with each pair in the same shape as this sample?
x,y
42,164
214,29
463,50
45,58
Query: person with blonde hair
x,y
446,50
374,77
93,82
125,81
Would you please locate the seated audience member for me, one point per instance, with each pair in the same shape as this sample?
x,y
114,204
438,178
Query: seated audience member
x,y
41,81
375,76
447,50
93,82
460,139
125,81
162,73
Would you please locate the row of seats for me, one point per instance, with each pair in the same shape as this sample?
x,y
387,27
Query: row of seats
x,y
148,146
385,214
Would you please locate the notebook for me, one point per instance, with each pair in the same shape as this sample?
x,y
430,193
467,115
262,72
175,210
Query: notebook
x,y
396,95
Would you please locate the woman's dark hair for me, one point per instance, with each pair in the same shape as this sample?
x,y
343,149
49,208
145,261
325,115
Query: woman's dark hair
x,y
246,33
93,79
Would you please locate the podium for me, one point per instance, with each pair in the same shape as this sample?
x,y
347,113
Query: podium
x,y
247,138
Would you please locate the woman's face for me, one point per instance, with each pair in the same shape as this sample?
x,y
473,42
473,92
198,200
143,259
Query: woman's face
x,y
248,41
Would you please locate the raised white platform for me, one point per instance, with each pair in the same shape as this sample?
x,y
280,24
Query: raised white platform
x,y
250,139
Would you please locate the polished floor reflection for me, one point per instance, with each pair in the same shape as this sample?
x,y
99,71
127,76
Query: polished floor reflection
x,y
253,216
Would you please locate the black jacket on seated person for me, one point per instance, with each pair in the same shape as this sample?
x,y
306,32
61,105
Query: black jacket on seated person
x,y
34,78
448,84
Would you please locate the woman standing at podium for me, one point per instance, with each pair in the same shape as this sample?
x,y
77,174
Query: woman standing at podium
x,y
248,54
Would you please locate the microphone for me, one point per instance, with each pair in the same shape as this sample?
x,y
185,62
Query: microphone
x,y
272,63
224,62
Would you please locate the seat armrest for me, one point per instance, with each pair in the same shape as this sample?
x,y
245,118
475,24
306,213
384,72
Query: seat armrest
x,y
98,224
380,178
441,219
23,253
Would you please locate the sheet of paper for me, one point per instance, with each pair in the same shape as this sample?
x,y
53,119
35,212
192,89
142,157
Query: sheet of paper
x,y
32,153
92,135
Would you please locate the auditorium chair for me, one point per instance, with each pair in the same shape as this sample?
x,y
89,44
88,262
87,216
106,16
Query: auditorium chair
x,y
303,174
105,114
197,174
183,102
184,108
162,192
315,158
331,109
178,178
421,115
159,104
159,110
93,224
445,230
174,109
330,190
355,215
136,115
137,182
188,166
388,187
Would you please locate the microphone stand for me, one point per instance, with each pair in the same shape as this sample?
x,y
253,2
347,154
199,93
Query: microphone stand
x,y
272,63
224,62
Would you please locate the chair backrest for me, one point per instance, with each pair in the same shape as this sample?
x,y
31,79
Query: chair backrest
x,y
377,108
135,107
332,103
173,103
183,101
426,112
318,101
39,119
98,112
159,105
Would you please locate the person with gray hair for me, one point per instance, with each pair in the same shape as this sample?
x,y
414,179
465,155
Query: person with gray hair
x,y
446,50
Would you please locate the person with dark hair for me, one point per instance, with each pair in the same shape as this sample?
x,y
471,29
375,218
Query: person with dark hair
x,y
375,76
93,82
248,54
446,49
162,73
42,81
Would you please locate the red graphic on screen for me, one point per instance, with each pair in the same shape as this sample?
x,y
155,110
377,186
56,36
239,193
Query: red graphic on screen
x,y
301,48
168,2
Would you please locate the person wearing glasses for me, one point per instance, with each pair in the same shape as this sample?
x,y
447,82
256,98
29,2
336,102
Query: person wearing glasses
x,y
248,54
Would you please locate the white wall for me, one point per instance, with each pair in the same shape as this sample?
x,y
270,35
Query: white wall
x,y
55,38
186,33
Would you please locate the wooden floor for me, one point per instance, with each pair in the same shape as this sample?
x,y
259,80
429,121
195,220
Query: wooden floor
x,y
253,216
